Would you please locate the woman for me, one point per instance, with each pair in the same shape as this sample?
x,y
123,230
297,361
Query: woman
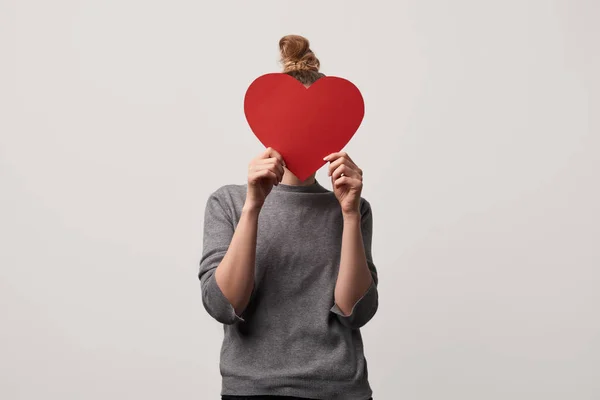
x,y
287,269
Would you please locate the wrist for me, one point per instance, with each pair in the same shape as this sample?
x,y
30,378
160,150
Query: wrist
x,y
251,208
351,216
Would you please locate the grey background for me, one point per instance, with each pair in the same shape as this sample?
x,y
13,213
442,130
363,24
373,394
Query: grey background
x,y
480,152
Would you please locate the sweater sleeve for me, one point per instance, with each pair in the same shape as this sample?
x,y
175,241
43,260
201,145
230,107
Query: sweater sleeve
x,y
365,307
218,232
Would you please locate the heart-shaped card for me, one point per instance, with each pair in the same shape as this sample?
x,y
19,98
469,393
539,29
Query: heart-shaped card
x,y
303,124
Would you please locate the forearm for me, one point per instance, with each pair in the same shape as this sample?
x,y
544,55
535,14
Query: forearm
x,y
354,277
235,273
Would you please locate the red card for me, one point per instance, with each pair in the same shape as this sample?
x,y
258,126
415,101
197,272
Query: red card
x,y
303,124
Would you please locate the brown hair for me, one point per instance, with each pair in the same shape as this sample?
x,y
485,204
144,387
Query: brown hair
x,y
298,59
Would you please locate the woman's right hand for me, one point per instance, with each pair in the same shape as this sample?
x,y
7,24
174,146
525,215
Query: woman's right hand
x,y
264,171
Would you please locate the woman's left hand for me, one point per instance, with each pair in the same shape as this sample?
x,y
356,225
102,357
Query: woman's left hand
x,y
346,179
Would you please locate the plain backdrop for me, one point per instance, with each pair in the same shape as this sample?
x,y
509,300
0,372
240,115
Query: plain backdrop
x,y
480,149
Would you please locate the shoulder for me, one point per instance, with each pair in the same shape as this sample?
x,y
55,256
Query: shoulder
x,y
230,190
229,196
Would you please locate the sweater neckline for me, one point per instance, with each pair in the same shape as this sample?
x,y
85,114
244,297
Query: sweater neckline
x,y
315,187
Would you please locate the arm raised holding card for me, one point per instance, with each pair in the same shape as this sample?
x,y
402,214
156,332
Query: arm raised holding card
x,y
356,296
229,256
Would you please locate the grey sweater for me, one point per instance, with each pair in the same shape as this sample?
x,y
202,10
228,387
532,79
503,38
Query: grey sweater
x,y
292,339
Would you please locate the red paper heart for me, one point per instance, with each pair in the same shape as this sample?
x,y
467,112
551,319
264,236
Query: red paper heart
x,y
303,124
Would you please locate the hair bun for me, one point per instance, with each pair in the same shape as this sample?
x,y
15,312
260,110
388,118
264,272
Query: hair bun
x,y
296,54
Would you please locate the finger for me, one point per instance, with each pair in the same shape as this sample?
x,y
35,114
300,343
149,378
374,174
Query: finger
x,y
350,182
273,166
271,161
264,174
278,171
335,156
340,161
271,152
345,170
